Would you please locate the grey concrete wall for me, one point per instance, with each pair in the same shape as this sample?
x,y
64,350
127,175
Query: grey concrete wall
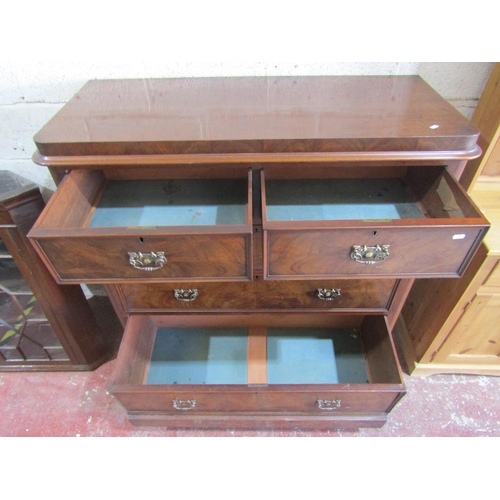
x,y
31,93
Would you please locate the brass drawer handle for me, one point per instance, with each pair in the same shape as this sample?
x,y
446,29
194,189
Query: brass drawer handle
x,y
184,404
147,261
186,295
369,255
329,404
328,293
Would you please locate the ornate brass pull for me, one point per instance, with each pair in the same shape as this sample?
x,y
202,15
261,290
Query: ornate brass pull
x,y
186,295
369,255
329,404
147,261
328,293
184,404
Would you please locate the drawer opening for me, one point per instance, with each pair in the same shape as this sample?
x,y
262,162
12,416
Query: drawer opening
x,y
340,199
419,193
199,356
260,355
172,202
315,356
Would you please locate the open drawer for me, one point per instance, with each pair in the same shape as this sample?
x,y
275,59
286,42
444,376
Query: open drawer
x,y
99,230
405,222
340,370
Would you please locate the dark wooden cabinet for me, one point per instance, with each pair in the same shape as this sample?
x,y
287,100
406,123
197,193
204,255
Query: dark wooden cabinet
x,y
44,326
258,237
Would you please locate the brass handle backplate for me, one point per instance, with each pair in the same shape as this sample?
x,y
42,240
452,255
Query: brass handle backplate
x,y
186,295
184,404
369,255
328,293
147,261
329,404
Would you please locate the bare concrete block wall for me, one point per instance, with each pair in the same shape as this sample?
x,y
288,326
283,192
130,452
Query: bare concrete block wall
x,y
31,93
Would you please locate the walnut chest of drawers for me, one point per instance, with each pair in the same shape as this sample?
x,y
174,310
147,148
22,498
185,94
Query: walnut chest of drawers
x,y
257,237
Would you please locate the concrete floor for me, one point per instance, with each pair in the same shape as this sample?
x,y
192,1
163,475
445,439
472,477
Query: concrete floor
x,y
78,404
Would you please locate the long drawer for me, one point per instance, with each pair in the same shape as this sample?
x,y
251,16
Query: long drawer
x,y
259,294
408,222
327,366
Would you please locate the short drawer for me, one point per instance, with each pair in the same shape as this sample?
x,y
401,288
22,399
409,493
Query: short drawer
x,y
411,222
96,230
325,366
260,294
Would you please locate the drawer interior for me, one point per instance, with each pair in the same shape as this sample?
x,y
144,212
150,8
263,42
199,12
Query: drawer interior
x,y
172,202
283,351
409,193
340,199
199,356
220,356
315,356
90,201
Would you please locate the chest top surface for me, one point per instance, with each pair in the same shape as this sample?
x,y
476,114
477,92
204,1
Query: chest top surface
x,y
255,115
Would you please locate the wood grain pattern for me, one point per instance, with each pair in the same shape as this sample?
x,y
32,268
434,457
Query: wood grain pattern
x,y
414,252
375,295
59,164
257,356
255,115
81,259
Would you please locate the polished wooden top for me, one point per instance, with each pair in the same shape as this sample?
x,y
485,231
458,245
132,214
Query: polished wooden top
x,y
255,115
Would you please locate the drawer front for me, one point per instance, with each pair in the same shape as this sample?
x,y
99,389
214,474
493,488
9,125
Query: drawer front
x,y
107,258
264,399
329,402
259,294
187,401
402,252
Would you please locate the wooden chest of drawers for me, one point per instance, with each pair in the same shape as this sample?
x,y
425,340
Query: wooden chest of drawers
x,y
258,237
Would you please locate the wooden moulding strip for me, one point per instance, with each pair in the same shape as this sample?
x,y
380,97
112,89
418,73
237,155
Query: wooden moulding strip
x,y
257,355
165,159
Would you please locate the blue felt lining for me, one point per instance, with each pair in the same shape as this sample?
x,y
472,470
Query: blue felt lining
x,y
339,199
314,356
180,202
219,356
199,356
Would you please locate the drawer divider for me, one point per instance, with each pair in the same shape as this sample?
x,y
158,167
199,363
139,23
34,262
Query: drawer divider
x,y
257,356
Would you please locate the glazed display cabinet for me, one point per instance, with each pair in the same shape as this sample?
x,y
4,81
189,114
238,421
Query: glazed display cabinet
x,y
43,326
258,237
